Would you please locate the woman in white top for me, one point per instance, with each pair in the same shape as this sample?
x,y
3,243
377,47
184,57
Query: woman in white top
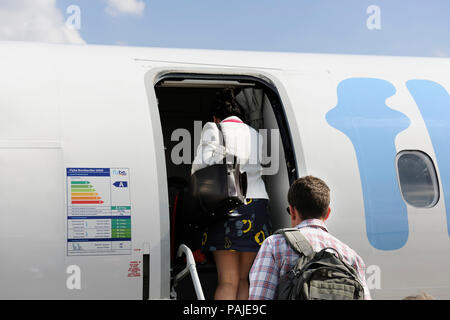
x,y
236,241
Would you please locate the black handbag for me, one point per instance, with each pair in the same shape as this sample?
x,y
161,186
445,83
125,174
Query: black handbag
x,y
218,189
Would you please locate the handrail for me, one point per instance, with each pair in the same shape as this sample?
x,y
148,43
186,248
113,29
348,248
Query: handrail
x,y
190,267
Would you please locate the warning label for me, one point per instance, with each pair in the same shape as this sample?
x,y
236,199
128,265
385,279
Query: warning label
x,y
135,269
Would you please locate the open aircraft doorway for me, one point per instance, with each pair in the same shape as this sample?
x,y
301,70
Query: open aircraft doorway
x,y
185,102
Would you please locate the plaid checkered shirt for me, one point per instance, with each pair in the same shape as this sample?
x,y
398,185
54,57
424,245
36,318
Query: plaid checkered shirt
x,y
276,257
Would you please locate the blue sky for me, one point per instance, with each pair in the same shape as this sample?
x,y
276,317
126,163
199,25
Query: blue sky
x,y
408,27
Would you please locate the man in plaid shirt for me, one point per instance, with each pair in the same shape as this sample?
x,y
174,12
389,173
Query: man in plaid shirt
x,y
309,200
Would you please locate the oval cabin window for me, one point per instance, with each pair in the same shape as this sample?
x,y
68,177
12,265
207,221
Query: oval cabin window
x,y
417,178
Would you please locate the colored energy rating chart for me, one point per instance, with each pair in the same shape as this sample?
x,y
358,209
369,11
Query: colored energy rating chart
x,y
98,211
84,193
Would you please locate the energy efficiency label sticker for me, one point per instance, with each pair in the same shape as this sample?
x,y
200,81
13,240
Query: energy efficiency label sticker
x,y
98,211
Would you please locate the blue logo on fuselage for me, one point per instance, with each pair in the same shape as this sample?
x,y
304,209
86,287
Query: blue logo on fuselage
x,y
434,105
363,116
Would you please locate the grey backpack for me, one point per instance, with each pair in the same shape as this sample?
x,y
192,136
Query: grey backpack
x,y
317,275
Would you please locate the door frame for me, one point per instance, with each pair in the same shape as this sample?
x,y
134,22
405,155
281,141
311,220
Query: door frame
x,y
282,109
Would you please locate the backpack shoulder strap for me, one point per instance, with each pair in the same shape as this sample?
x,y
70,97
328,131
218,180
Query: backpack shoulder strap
x,y
297,241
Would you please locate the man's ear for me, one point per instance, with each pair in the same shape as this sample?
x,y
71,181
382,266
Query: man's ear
x,y
291,210
328,214
293,214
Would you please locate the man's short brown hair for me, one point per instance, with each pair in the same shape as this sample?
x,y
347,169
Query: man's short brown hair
x,y
310,196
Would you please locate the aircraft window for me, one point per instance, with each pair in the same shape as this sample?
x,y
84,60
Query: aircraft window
x,y
418,179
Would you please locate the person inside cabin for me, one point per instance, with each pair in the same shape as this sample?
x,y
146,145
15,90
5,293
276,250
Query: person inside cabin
x,y
235,242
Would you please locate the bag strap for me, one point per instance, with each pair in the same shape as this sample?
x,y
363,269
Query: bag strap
x,y
225,146
221,132
297,241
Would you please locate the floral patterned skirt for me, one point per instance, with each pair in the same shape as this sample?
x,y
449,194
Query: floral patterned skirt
x,y
245,233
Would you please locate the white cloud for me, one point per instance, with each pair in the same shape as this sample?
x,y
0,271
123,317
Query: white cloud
x,y
118,7
35,20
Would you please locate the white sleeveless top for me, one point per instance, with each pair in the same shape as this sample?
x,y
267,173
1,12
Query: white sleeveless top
x,y
242,141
